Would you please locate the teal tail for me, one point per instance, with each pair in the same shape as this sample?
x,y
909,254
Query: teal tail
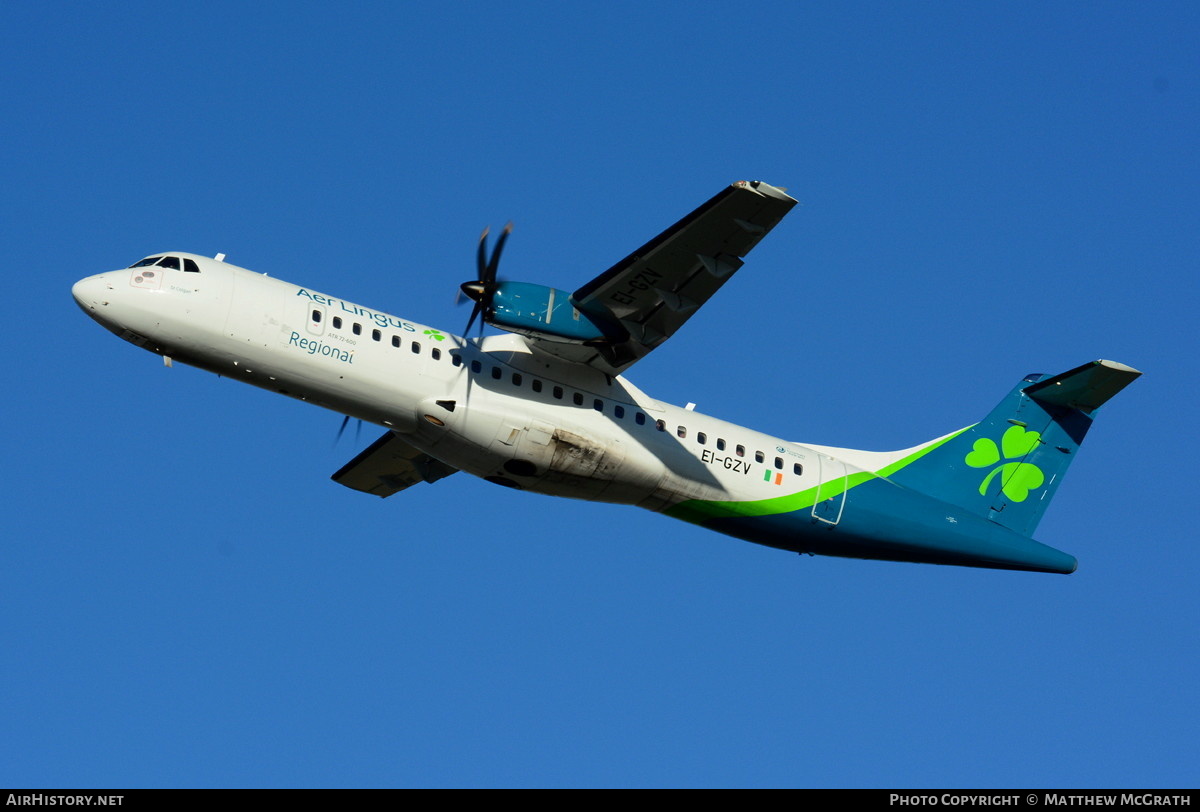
x,y
1007,467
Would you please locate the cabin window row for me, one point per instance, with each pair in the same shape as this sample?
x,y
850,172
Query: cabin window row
x,y
557,392
618,411
377,335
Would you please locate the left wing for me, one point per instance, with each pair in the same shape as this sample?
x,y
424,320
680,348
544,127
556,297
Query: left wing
x,y
642,300
390,465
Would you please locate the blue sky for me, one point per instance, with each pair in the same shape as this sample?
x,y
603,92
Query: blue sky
x,y
986,190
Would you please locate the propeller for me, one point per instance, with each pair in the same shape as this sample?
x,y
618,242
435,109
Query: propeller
x,y
342,430
483,289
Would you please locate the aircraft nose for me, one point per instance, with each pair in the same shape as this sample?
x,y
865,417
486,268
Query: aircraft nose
x,y
91,292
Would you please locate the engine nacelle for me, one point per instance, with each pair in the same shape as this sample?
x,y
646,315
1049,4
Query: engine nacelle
x,y
544,312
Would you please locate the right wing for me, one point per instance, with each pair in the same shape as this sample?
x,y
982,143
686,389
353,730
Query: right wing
x,y
390,465
642,300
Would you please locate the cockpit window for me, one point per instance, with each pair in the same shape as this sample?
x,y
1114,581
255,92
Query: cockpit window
x,y
145,262
170,262
190,265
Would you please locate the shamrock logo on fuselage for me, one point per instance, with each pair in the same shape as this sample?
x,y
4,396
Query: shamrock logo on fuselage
x,y
435,335
1017,478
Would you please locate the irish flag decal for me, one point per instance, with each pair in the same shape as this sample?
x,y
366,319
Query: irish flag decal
x,y
767,477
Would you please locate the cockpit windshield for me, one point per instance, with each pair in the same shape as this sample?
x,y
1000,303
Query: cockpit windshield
x,y
175,263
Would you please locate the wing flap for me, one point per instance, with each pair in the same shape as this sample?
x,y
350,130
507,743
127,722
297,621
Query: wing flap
x,y
389,465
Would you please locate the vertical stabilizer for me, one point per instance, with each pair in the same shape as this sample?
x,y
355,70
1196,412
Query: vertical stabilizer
x,y
1008,466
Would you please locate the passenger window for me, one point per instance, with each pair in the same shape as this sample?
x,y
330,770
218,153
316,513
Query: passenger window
x,y
436,353
337,322
741,451
558,392
797,468
396,341
516,379
376,335
476,367
190,266
537,385
720,444
758,456
598,405
170,262
357,329
779,463
456,359
415,347
316,316
702,438
661,425
496,373
577,397
640,419
619,411
681,432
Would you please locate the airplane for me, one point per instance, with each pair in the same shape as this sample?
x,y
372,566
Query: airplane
x,y
546,407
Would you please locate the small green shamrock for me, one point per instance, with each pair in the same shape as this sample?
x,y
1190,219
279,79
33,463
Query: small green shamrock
x,y
1017,478
435,335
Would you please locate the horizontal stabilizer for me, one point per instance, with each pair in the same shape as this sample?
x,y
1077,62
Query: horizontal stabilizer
x,y
390,465
1086,388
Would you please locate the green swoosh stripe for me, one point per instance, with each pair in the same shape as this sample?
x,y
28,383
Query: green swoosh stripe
x,y
698,511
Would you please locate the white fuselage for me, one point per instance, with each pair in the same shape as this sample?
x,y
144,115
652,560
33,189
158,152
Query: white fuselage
x,y
492,407
512,411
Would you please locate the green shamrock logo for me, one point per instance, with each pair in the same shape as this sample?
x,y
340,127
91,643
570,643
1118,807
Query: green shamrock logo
x,y
1017,478
435,335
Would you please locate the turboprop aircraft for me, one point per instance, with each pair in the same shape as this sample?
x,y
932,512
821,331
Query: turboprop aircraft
x,y
546,407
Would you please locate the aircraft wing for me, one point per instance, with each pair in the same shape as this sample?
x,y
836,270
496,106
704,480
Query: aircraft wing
x,y
642,300
390,465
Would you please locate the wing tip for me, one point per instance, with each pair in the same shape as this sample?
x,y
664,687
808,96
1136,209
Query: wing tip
x,y
765,189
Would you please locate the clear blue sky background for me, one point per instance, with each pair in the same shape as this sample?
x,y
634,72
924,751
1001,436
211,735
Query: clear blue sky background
x,y
987,190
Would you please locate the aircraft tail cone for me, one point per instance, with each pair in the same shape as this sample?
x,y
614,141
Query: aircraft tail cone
x,y
997,552
937,533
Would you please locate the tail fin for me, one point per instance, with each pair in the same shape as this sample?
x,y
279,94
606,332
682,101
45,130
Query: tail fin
x,y
1007,467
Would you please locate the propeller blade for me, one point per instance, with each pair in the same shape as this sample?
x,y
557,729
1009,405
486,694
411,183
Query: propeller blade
x,y
481,258
342,430
490,278
483,288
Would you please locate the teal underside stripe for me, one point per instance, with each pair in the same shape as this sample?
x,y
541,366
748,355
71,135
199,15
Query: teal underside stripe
x,y
699,511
